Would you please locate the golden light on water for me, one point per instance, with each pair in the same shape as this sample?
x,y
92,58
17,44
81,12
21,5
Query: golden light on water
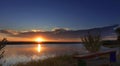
x,y
39,48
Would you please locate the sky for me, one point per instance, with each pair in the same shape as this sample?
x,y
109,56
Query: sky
x,y
47,15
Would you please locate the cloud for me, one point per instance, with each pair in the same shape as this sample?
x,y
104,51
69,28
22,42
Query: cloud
x,y
60,33
9,32
60,29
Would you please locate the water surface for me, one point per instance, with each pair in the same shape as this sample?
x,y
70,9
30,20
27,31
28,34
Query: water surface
x,y
24,53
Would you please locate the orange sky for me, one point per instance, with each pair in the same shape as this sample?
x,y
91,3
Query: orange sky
x,y
59,34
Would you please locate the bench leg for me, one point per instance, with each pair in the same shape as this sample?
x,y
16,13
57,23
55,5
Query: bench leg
x,y
82,63
113,57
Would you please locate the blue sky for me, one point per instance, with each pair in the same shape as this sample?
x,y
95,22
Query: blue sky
x,y
49,14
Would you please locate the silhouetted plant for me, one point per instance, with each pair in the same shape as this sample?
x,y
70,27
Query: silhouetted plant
x,y
92,42
2,45
118,33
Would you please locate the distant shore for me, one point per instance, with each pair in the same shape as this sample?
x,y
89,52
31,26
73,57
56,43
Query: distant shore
x,y
106,42
32,42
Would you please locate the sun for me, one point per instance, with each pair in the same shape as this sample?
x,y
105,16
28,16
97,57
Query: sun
x,y
39,39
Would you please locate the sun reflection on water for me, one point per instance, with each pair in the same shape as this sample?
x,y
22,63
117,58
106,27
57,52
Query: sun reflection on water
x,y
39,48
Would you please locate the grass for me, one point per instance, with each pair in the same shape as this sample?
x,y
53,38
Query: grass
x,y
66,60
54,61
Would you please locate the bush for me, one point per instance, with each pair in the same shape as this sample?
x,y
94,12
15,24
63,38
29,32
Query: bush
x,y
2,45
118,33
92,42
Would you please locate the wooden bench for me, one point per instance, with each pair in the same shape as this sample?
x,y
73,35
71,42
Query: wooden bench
x,y
82,58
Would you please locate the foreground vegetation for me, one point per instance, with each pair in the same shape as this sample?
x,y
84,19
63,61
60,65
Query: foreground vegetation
x,y
58,61
2,45
54,61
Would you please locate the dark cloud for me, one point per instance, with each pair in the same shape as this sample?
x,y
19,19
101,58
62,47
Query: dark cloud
x,y
61,33
9,32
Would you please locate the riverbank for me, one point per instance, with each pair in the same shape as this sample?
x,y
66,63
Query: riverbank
x,y
68,60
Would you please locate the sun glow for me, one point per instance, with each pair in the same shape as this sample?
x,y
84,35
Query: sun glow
x,y
39,39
